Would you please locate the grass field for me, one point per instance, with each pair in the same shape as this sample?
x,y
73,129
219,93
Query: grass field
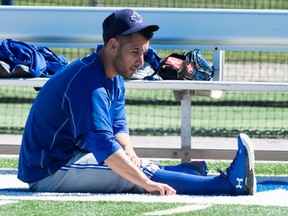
x,y
124,208
27,203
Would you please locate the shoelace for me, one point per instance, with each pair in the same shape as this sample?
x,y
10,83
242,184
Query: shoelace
x,y
227,172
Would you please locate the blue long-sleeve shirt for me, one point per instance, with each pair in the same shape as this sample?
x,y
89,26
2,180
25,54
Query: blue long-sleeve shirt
x,y
78,109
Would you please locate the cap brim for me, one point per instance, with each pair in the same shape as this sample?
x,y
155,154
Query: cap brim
x,y
151,28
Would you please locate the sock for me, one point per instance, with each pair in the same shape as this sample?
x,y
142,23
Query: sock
x,y
189,184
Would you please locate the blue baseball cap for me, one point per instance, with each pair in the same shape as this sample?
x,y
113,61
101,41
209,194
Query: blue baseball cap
x,y
124,22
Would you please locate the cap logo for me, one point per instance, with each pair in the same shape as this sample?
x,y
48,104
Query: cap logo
x,y
135,17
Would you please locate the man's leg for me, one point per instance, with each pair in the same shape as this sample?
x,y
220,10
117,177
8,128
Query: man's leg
x,y
194,167
238,178
84,174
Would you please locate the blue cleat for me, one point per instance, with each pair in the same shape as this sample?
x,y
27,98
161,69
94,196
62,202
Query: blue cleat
x,y
240,173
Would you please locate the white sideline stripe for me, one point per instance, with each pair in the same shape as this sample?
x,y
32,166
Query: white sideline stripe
x,y
5,202
182,209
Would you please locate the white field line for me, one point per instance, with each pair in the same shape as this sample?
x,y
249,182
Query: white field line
x,y
181,209
5,202
9,181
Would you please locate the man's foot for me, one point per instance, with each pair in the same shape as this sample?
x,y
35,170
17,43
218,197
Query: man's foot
x,y
193,168
240,173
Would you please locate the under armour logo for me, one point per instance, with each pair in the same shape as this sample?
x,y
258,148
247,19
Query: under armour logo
x,y
136,17
239,183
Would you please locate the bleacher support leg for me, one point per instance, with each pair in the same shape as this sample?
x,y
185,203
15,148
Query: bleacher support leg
x,y
186,123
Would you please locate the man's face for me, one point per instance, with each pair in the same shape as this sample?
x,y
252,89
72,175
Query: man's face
x,y
130,55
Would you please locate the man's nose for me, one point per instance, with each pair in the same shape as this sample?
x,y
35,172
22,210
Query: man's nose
x,y
140,61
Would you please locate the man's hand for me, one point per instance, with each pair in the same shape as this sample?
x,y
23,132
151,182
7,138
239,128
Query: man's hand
x,y
156,188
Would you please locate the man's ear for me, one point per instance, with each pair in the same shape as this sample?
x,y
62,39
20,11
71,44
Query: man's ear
x,y
112,44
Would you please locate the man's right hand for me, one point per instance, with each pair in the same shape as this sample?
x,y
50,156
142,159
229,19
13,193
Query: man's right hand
x,y
123,166
156,188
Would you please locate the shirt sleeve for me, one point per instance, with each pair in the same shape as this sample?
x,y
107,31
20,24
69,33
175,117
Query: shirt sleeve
x,y
95,125
120,123
101,144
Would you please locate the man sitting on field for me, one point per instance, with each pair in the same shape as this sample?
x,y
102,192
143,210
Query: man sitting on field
x,y
76,137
